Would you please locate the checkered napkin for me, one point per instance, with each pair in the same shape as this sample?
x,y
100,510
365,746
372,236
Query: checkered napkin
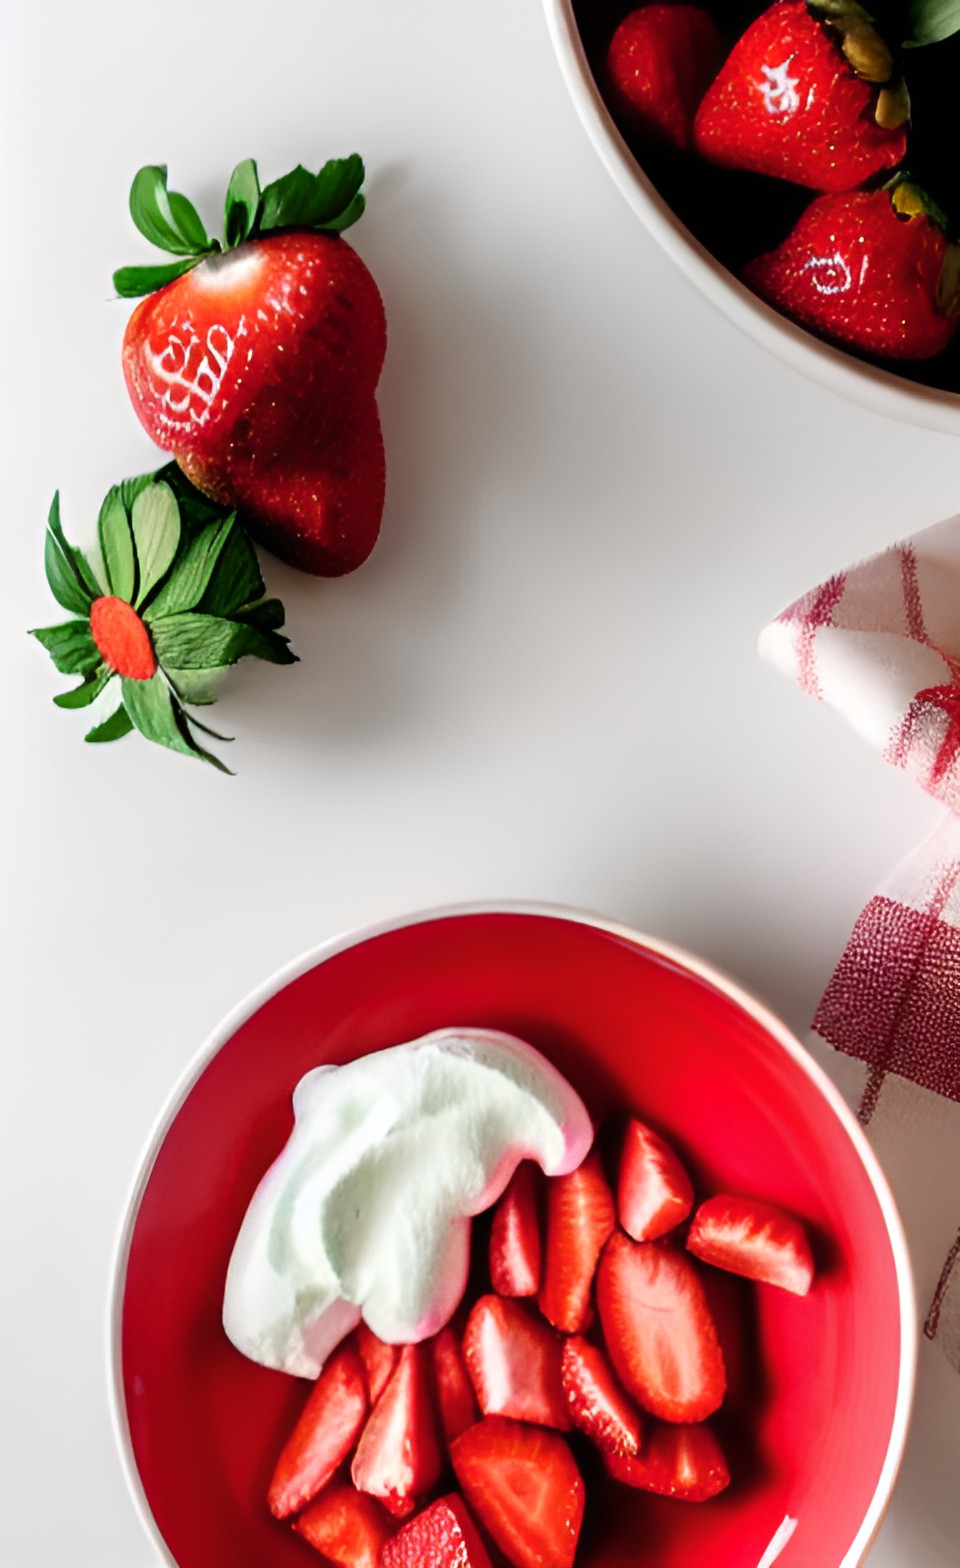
x,y
880,642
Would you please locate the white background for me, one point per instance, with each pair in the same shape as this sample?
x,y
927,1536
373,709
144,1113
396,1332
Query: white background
x,y
543,685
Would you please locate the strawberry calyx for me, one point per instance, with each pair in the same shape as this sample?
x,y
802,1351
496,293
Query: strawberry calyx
x,y
323,203
868,55
178,598
910,200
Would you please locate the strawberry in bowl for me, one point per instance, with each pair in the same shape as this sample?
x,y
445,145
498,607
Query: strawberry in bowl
x,y
255,361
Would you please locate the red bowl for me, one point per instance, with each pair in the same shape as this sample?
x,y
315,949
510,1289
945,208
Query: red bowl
x,y
819,1405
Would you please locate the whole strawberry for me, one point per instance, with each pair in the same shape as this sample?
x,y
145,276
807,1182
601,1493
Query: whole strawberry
x,y
807,95
660,61
256,363
868,268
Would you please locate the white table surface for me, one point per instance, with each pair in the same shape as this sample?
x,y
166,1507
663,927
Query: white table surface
x,y
543,685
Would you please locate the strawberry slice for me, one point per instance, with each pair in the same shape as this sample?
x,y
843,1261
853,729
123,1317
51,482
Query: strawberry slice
x,y
654,1192
677,1461
598,1405
515,1237
443,1536
351,1530
398,1457
658,1329
523,1485
379,1360
580,1219
754,1239
514,1364
458,1407
324,1435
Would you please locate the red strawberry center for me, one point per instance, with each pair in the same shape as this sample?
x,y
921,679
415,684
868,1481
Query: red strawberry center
x,y
122,638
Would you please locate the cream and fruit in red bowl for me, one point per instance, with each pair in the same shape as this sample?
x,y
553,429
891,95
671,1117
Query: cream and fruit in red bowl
x,y
469,1399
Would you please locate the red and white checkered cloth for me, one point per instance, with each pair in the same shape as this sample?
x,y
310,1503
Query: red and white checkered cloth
x,y
880,642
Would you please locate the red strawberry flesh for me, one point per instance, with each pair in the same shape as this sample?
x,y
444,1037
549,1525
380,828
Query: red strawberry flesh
x,y
756,1240
379,1360
598,1405
684,1461
514,1363
658,1329
443,1536
350,1529
523,1486
515,1236
654,1192
580,1219
660,62
398,1457
122,638
328,1427
455,1397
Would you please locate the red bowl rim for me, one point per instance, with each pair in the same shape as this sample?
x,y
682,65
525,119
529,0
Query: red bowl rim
x,y
678,956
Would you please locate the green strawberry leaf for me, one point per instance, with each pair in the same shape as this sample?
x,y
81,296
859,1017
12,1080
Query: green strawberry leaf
x,y
237,580
242,203
131,488
288,202
187,583
70,646
167,221
66,584
336,186
201,687
155,518
132,282
931,21
187,221
116,546
158,716
301,200
202,642
71,561
90,687
268,614
348,216
114,728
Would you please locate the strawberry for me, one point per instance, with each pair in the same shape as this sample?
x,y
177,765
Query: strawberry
x,y
350,1529
660,61
443,1536
653,1190
580,1218
514,1363
398,1457
257,366
754,1239
515,1236
523,1485
872,269
455,1398
328,1427
807,95
658,1329
685,1462
378,1360
598,1405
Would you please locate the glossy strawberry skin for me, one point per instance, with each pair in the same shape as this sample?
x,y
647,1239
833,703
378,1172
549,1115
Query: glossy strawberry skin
x,y
523,1486
658,1329
514,1363
580,1218
598,1405
443,1536
515,1236
860,273
257,370
349,1528
329,1425
753,1239
787,103
398,1456
685,1462
654,1192
660,62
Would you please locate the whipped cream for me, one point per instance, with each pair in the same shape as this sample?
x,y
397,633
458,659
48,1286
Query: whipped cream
x,y
366,1212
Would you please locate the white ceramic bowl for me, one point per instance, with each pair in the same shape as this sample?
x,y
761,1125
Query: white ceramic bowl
x,y
880,390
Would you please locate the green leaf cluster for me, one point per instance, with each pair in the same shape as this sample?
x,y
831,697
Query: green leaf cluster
x,y
931,21
323,203
189,570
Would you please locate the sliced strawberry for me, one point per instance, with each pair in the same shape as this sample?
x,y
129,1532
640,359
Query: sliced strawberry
x,y
455,1397
523,1485
514,1363
379,1360
580,1219
350,1529
515,1237
658,1329
398,1457
754,1239
677,1461
443,1536
328,1427
598,1405
654,1192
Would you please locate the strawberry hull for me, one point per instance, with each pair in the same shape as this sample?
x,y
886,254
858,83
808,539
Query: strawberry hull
x,y
258,370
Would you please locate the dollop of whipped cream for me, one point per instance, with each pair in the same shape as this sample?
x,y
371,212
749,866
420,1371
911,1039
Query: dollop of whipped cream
x,y
366,1212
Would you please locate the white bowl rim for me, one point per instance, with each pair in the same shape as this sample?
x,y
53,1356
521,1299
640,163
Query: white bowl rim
x,y
882,391
356,935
